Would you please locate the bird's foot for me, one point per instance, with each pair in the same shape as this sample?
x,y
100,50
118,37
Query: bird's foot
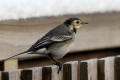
x,y
60,65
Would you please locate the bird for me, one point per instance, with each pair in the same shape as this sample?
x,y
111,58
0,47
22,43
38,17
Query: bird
x,y
57,42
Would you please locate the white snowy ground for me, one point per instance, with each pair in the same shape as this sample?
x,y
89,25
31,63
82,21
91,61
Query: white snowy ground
x,y
16,9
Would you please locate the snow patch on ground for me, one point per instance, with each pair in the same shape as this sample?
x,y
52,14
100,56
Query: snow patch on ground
x,y
16,9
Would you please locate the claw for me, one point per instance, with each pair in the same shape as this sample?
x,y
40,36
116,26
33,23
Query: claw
x,y
59,66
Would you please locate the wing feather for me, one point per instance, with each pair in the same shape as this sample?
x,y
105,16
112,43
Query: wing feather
x,y
45,41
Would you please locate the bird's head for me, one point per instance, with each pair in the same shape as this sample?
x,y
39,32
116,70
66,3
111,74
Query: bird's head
x,y
74,23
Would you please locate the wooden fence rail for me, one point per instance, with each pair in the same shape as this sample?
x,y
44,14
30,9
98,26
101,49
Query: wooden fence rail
x,y
94,69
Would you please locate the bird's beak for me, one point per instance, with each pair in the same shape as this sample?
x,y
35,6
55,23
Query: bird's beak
x,y
84,23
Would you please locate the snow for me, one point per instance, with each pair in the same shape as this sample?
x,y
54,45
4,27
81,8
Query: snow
x,y
108,58
72,62
89,60
16,9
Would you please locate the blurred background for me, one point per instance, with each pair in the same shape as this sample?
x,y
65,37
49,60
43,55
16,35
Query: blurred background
x,y
23,22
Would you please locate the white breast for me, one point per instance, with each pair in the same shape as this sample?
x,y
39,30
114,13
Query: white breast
x,y
60,49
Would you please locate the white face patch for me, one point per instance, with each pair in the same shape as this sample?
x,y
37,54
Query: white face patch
x,y
77,27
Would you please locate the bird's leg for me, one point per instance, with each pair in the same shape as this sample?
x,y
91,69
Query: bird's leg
x,y
59,64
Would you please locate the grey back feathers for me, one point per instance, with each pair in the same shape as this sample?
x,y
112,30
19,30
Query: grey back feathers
x,y
58,34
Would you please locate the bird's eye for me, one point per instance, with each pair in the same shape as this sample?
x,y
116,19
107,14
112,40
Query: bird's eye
x,y
77,22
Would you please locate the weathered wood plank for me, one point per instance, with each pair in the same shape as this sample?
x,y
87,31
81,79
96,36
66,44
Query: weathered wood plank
x,y
37,73
14,75
11,75
67,73
101,69
88,69
46,73
117,68
5,75
11,64
92,69
55,74
83,70
70,70
0,75
1,65
31,74
74,69
27,74
109,68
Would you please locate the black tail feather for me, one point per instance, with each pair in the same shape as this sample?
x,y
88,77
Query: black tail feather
x,y
17,55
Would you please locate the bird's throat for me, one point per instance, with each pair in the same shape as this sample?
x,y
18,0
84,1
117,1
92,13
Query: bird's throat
x,y
74,30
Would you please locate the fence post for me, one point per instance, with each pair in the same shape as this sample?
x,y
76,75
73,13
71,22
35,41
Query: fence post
x,y
101,69
26,74
83,70
55,74
31,74
117,68
92,69
5,76
0,75
109,68
70,70
11,75
88,69
10,64
106,68
37,73
46,73
51,73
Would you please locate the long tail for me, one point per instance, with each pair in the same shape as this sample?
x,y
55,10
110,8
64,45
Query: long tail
x,y
17,55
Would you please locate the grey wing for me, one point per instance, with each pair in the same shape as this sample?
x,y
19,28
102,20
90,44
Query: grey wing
x,y
47,40
60,38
